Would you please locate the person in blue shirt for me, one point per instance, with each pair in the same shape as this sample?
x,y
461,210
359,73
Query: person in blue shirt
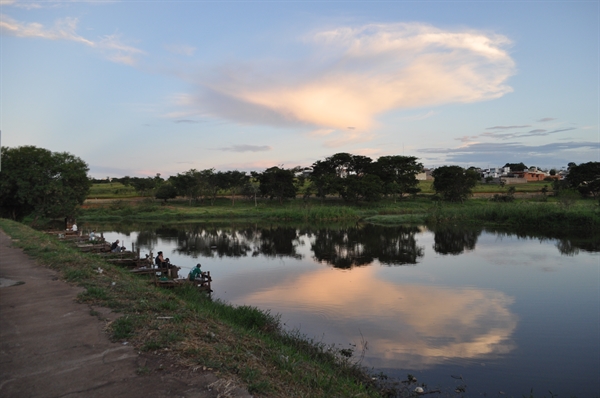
x,y
195,273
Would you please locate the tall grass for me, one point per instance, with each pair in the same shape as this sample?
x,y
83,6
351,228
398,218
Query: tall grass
x,y
521,214
149,210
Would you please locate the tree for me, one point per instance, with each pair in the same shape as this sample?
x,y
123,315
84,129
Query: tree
x,y
165,192
187,184
251,189
276,182
143,186
516,166
234,182
343,173
210,183
585,178
398,174
368,187
35,181
322,179
454,183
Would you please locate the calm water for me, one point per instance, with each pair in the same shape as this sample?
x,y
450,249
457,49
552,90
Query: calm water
x,y
506,312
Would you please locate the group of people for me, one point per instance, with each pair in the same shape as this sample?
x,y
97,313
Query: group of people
x,y
161,262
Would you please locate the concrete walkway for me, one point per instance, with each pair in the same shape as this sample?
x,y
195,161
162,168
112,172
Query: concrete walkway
x,y
51,346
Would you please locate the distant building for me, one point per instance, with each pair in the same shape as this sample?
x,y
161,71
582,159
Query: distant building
x,y
531,175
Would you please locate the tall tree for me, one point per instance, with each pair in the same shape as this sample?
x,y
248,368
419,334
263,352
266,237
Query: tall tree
x,y
454,183
144,186
35,181
234,181
165,192
399,174
343,173
277,182
187,184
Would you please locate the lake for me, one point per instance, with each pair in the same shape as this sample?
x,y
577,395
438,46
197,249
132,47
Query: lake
x,y
497,312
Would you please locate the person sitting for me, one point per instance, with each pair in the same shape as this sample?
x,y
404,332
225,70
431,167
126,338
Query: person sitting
x,y
160,261
115,248
93,235
195,274
74,227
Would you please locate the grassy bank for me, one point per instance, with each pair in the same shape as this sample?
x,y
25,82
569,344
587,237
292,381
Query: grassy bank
x,y
582,215
151,210
243,344
533,212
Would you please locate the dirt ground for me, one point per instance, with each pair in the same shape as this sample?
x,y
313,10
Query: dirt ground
x,y
52,346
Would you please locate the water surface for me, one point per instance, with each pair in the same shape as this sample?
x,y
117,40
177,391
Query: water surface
x,y
498,312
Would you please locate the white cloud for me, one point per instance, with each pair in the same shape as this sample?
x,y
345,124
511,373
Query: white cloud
x,y
359,73
181,49
66,29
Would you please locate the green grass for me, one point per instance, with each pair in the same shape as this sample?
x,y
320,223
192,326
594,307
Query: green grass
x,y
584,215
534,210
111,190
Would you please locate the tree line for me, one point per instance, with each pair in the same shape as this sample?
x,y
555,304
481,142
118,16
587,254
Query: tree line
x,y
354,178
39,183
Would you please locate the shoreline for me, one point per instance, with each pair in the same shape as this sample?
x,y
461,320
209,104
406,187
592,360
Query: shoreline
x,y
241,345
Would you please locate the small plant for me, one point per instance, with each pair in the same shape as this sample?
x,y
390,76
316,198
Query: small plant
x,y
122,328
95,293
567,197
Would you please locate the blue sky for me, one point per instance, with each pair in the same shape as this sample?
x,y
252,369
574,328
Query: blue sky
x,y
138,88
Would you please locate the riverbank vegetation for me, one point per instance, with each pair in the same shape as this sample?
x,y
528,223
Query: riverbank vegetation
x,y
243,344
567,210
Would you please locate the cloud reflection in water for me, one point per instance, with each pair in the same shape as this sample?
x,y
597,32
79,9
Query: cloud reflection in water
x,y
414,326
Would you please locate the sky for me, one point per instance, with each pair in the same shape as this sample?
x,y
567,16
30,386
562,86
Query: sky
x,y
144,87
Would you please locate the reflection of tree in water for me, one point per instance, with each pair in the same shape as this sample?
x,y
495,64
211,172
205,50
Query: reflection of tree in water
x,y
210,241
454,240
277,242
568,242
572,246
147,238
361,245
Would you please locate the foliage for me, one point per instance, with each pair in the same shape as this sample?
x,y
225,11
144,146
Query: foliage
x,y
187,184
165,192
508,197
516,166
366,187
37,182
454,183
358,178
276,182
234,182
585,178
144,186
398,174
578,215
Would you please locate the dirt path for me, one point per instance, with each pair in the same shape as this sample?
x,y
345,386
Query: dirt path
x,y
51,346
